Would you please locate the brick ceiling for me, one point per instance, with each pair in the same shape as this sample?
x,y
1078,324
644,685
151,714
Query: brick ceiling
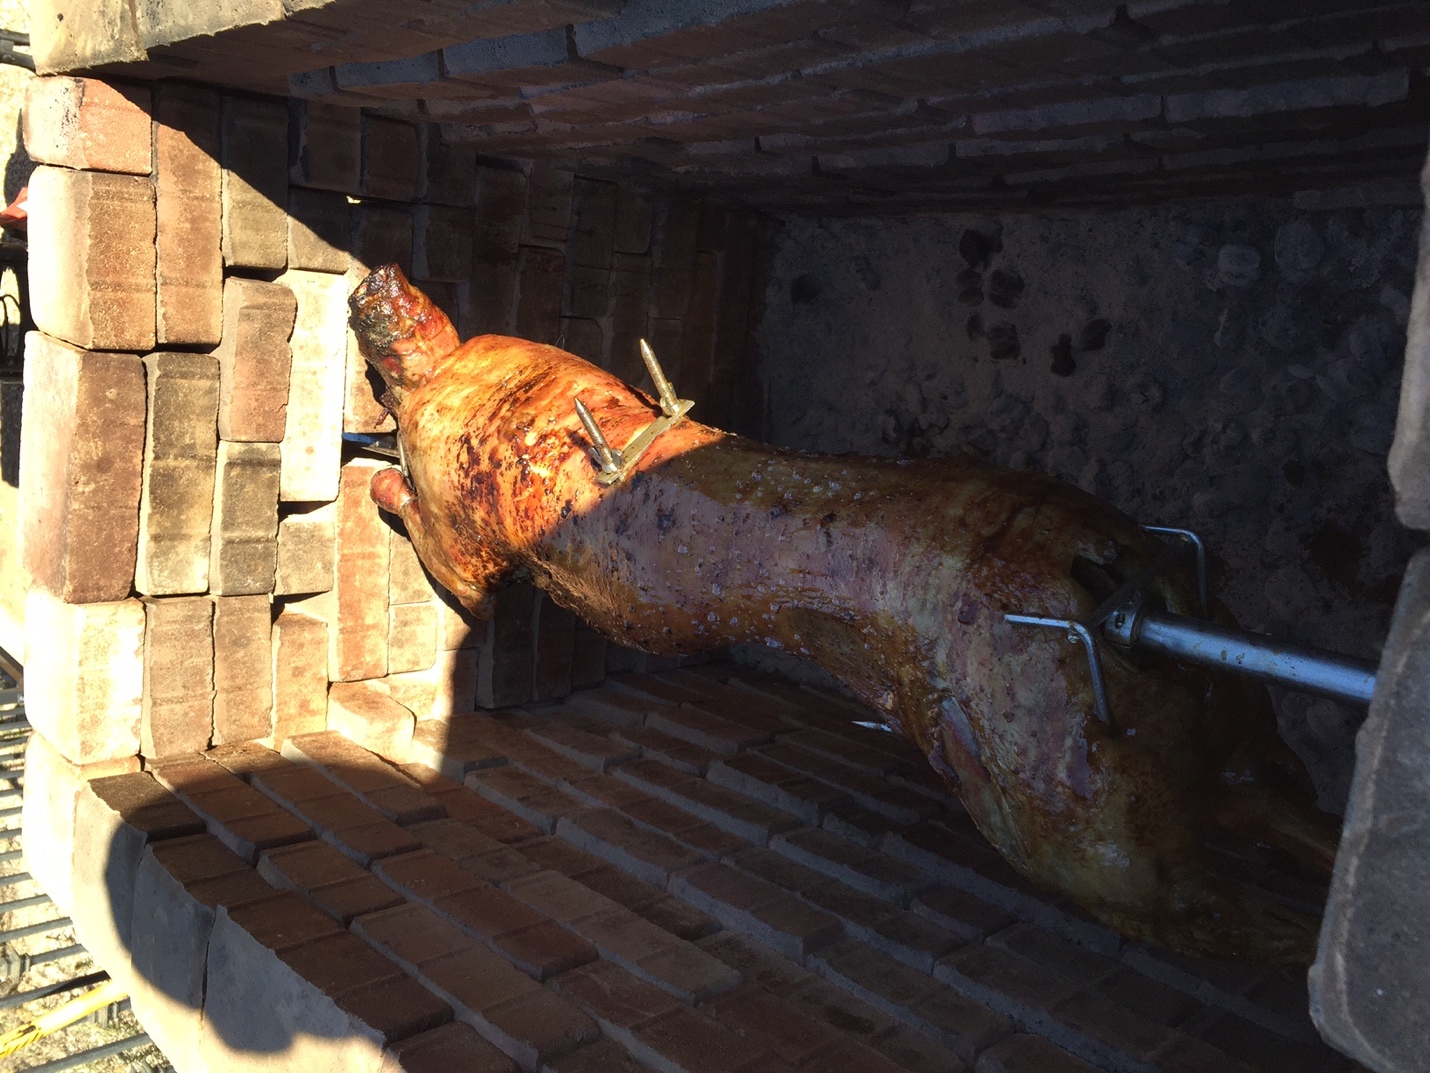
x,y
869,103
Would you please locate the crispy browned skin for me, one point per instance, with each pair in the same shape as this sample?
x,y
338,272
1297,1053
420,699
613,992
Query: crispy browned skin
x,y
892,575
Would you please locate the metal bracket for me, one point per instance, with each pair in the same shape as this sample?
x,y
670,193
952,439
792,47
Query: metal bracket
x,y
1077,634
612,465
1117,614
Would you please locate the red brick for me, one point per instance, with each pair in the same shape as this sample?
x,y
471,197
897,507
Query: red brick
x,y
412,936
964,1027
431,745
634,216
589,750
681,920
874,873
390,158
368,842
772,1024
300,666
394,1009
87,124
255,183
703,838
672,752
616,998
312,435
328,144
758,909
465,805
1029,1054
340,962
613,837
189,207
92,264
692,1043
524,794
544,949
85,687
755,962
426,876
242,669
602,1056
357,640
536,1027
485,911
81,457
451,1047
247,758
707,731
306,867
178,676
254,359
470,977
1002,981
319,226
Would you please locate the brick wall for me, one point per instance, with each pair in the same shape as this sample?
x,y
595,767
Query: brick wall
x,y
204,554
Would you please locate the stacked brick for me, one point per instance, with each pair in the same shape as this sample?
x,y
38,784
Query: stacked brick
x,y
205,556
862,102
691,871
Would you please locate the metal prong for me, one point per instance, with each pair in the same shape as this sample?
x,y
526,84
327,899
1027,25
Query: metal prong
x,y
1077,633
610,460
874,726
669,404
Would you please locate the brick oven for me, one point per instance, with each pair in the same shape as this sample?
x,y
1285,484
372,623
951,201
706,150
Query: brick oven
x,y
315,816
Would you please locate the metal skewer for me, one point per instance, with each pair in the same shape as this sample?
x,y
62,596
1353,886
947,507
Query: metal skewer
x,y
608,459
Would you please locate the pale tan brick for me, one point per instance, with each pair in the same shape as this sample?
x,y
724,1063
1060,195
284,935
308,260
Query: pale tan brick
x,y
87,124
328,143
407,582
255,183
51,785
312,438
180,450
254,359
368,715
178,676
91,242
318,230
300,673
84,675
243,671
448,686
188,185
411,637
243,544
81,465
306,549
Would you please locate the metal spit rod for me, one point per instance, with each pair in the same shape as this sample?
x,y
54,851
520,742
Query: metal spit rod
x,y
1310,670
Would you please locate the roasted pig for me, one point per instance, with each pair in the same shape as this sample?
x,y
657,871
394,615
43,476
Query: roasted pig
x,y
892,575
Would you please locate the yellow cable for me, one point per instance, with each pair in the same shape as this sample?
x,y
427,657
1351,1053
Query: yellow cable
x,y
61,1017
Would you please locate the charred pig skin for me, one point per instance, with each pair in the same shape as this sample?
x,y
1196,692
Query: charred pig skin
x,y
894,576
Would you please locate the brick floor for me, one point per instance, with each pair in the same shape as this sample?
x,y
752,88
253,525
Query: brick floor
x,y
605,894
